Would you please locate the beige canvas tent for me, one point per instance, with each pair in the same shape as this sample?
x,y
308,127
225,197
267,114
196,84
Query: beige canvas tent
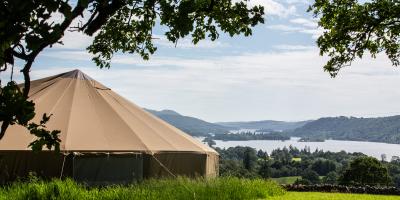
x,y
105,138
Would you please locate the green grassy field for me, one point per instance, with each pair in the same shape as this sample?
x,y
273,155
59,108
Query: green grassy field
x,y
289,179
286,180
296,159
169,189
331,196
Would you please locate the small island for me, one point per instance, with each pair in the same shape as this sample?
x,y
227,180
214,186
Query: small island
x,y
307,139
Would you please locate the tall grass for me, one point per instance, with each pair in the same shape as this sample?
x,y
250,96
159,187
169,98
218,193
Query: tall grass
x,y
168,189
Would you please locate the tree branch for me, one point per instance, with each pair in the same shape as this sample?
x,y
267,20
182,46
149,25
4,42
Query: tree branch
x,y
78,10
4,127
105,11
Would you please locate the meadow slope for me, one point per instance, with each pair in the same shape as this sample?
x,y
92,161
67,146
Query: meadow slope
x,y
331,196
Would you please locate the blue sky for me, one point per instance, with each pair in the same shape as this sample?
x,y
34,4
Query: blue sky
x,y
274,74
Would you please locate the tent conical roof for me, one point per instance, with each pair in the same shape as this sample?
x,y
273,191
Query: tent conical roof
x,y
91,117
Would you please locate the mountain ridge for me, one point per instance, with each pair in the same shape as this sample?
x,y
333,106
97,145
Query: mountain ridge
x,y
373,129
190,125
264,124
379,129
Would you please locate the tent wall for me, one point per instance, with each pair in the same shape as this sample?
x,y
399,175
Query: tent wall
x,y
19,164
189,164
104,169
93,169
212,169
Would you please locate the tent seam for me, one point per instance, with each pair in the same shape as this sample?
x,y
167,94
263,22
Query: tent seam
x,y
181,133
125,122
57,102
69,116
88,85
141,120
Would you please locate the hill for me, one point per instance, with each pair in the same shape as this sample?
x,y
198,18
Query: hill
x,y
264,125
190,125
382,129
331,196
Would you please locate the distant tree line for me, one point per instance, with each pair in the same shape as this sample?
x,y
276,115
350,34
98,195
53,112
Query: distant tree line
x,y
243,136
315,167
382,129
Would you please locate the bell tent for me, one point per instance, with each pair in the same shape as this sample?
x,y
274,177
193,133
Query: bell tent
x,y
104,138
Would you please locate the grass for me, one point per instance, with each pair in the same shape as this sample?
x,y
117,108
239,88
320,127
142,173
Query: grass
x,y
286,180
331,196
296,159
289,179
171,189
168,189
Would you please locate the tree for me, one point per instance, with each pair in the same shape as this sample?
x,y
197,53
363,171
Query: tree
x,y
238,161
311,176
262,154
323,166
283,155
265,169
249,158
27,28
351,28
365,171
330,178
396,180
209,141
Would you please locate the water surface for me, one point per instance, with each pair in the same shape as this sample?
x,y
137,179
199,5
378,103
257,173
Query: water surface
x,y
374,149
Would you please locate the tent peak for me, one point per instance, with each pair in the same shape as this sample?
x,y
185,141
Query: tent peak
x,y
76,74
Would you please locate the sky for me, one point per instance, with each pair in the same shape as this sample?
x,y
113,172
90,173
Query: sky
x,y
276,74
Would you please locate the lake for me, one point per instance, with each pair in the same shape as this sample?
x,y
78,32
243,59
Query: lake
x,y
374,149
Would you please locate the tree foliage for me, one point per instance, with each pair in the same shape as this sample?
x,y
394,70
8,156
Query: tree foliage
x,y
365,171
342,168
330,178
250,159
27,28
323,166
310,176
244,136
352,28
14,108
381,129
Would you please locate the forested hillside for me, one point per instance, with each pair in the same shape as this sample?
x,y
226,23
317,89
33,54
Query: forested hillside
x,y
190,125
382,129
264,125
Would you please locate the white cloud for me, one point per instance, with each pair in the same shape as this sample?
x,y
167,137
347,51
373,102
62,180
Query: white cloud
x,y
315,33
289,85
283,82
284,28
274,8
294,47
74,40
305,22
299,25
76,55
299,1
